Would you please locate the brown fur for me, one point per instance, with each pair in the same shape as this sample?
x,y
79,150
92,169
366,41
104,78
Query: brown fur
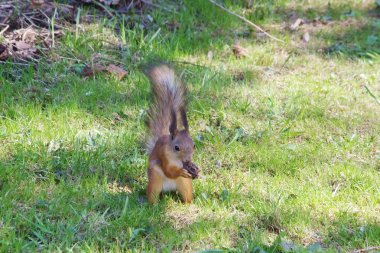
x,y
167,146
169,96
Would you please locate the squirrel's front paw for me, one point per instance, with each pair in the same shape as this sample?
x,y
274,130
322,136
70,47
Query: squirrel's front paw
x,y
185,173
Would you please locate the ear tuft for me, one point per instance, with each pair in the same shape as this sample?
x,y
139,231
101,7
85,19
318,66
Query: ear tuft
x,y
184,119
173,124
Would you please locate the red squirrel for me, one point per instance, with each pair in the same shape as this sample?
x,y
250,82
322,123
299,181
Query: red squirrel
x,y
169,148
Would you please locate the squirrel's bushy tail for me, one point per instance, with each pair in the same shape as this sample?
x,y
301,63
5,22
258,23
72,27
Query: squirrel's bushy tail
x,y
169,100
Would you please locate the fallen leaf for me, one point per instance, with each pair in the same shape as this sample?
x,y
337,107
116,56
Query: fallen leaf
x,y
306,37
29,35
116,117
21,49
91,70
239,76
239,51
4,53
116,188
119,72
296,24
172,25
31,89
20,46
97,68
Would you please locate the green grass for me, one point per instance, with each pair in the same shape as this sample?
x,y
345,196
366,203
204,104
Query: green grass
x,y
287,138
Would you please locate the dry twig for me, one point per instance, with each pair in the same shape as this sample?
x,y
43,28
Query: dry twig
x,y
246,20
105,8
6,28
371,94
369,249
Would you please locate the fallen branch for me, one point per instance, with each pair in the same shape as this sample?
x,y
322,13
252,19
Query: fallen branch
x,y
4,30
246,20
5,19
190,63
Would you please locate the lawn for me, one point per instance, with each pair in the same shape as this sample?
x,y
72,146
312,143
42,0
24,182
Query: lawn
x,y
287,137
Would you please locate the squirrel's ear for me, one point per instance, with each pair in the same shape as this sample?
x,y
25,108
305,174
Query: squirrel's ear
x,y
184,119
173,124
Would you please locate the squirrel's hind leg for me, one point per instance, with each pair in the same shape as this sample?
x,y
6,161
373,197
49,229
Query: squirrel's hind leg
x,y
185,189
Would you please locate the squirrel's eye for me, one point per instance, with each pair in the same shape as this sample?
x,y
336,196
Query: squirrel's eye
x,y
176,147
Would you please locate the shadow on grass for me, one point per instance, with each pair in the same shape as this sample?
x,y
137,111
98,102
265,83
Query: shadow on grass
x,y
340,29
69,199
56,88
346,231
354,41
79,203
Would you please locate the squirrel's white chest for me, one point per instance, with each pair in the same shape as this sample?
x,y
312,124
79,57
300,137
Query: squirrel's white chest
x,y
169,185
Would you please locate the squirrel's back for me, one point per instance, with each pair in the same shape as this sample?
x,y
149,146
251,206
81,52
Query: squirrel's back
x,y
169,99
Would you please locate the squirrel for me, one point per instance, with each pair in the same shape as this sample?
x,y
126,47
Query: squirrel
x,y
168,147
